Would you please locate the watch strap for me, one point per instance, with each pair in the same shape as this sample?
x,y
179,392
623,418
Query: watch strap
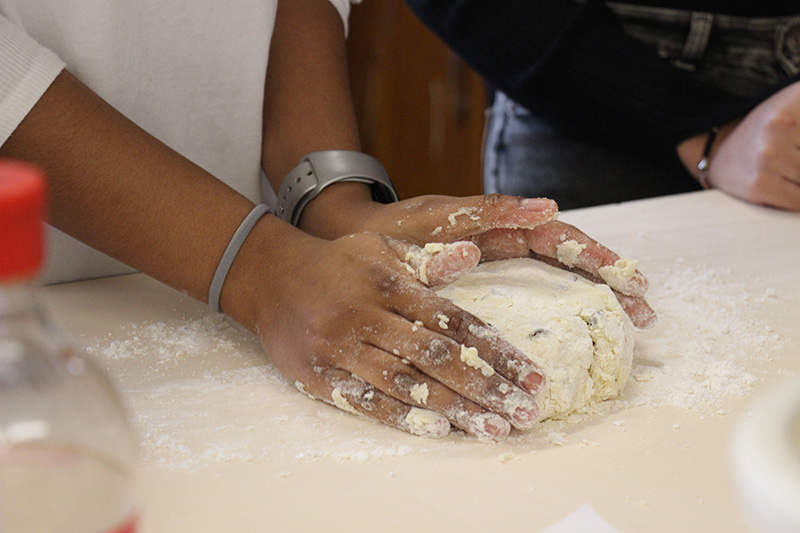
x,y
318,170
704,166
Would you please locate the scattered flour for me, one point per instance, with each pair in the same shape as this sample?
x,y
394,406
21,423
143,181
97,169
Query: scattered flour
x,y
705,346
705,349
168,343
469,211
470,357
434,248
419,393
418,258
568,251
505,457
426,423
557,438
341,402
620,273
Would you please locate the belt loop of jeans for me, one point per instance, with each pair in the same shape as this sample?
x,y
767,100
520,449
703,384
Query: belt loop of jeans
x,y
787,46
696,43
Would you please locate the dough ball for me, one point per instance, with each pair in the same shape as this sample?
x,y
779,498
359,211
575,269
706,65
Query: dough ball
x,y
574,330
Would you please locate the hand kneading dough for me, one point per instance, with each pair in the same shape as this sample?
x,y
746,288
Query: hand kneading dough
x,y
574,330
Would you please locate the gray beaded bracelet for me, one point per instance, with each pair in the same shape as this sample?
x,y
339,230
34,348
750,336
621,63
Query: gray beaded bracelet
x,y
230,254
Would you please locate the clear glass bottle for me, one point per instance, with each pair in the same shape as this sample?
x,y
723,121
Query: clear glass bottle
x,y
67,457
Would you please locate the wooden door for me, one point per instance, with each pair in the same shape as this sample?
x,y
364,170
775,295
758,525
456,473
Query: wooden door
x,y
420,108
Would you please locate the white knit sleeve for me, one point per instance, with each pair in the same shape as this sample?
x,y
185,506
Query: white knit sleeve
x,y
26,71
343,7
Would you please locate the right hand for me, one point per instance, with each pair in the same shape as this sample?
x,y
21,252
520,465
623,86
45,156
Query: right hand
x,y
350,323
502,227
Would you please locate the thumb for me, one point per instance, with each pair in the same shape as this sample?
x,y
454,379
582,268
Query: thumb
x,y
436,263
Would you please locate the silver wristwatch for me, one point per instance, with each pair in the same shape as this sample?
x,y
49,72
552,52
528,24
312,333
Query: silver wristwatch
x,y
317,170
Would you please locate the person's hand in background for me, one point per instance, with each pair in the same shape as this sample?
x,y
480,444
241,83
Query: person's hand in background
x,y
756,158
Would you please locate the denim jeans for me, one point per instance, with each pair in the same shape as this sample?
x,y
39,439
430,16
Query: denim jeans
x,y
524,156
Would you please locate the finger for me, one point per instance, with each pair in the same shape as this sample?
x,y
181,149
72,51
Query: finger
x,y
638,310
442,316
463,217
452,262
437,314
354,395
573,248
636,307
500,244
404,382
436,263
463,368
451,320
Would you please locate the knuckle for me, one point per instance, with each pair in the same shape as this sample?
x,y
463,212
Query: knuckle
x,y
386,284
358,392
459,327
493,200
403,382
436,354
417,203
368,398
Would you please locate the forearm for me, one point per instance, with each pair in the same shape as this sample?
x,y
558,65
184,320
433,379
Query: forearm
x,y
121,191
308,106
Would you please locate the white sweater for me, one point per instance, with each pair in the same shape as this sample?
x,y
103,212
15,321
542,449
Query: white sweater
x,y
190,72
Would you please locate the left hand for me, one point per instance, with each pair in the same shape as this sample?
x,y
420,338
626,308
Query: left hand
x,y
505,227
756,158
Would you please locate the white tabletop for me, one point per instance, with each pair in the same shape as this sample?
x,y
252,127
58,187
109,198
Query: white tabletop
x,y
228,445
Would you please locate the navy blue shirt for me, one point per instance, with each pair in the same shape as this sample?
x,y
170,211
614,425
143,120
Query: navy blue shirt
x,y
572,65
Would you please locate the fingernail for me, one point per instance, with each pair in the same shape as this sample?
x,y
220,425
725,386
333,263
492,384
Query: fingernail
x,y
532,381
424,423
489,427
538,204
525,418
522,410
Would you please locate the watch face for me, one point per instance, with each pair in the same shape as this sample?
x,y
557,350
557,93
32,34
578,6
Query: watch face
x,y
317,170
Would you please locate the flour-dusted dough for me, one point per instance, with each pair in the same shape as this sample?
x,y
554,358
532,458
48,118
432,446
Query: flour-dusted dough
x,y
574,330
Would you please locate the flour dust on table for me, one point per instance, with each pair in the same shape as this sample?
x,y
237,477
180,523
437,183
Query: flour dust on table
x,y
181,377
574,330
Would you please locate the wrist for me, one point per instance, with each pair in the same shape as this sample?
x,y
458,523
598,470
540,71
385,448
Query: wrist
x,y
254,275
690,152
338,210
699,151
319,170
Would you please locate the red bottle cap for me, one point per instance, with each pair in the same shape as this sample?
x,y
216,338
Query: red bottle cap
x,y
22,200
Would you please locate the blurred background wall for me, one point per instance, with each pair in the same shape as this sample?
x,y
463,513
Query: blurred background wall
x,y
420,108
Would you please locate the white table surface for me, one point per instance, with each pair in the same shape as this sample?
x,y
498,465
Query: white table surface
x,y
227,445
